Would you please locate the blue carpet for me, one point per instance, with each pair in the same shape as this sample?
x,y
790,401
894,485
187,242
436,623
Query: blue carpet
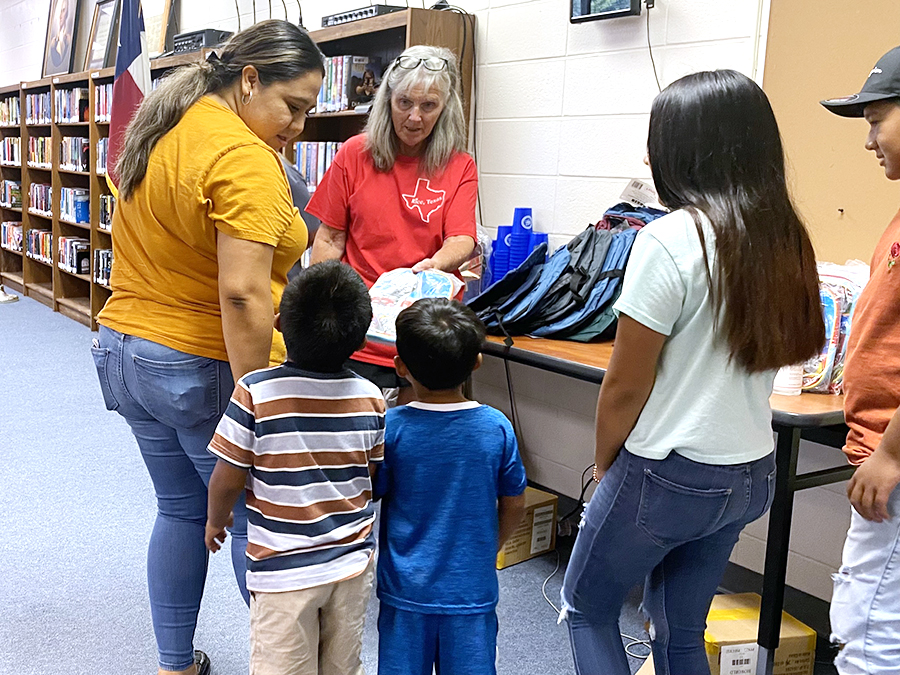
x,y
76,509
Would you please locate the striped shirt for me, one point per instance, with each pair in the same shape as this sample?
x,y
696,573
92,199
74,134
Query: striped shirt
x,y
306,440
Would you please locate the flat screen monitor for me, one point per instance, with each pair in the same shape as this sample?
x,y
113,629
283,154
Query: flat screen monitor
x,y
592,10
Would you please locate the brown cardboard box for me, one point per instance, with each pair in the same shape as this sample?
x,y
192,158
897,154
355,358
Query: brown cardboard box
x,y
731,629
536,533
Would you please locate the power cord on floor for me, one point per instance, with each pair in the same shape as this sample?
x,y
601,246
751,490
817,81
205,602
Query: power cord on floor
x,y
632,641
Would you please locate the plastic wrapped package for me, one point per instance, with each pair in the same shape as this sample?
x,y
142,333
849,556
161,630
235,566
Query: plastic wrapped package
x,y
849,280
396,290
817,371
839,288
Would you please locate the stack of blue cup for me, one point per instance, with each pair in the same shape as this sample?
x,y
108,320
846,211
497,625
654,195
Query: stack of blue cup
x,y
520,244
537,238
500,255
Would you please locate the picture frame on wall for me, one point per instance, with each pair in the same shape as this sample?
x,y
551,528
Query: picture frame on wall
x,y
59,47
156,24
101,51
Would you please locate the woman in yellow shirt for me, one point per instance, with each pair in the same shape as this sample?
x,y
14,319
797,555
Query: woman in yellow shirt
x,y
203,237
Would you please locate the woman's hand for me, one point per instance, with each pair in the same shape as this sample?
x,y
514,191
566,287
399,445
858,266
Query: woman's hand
x,y
422,265
455,251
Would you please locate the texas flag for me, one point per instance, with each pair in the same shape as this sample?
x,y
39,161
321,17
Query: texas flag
x,y
132,81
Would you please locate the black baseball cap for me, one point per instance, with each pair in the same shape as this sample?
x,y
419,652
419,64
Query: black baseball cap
x,y
882,84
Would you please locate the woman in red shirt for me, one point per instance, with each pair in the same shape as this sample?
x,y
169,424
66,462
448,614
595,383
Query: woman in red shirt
x,y
402,194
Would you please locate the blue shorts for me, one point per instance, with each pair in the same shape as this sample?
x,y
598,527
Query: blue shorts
x,y
410,643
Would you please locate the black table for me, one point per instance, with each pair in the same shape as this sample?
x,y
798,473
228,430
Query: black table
x,y
813,417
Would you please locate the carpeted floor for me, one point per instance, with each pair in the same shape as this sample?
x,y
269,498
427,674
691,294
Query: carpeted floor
x,y
76,508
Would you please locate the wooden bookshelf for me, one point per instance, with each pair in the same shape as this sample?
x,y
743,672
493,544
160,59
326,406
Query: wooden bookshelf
x,y
11,261
76,295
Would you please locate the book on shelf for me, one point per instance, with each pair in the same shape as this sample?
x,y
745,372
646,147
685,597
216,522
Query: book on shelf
x,y
107,206
37,108
10,115
11,194
40,199
38,245
349,81
74,154
39,153
102,154
11,151
11,235
313,159
74,255
103,259
74,205
72,105
102,103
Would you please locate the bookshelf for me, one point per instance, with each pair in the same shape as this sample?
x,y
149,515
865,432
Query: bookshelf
x,y
64,192
81,293
11,256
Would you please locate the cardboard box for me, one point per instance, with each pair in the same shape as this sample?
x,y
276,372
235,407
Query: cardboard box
x,y
731,630
536,533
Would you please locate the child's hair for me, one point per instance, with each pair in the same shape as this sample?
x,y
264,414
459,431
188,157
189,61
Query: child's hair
x,y
714,148
325,313
439,340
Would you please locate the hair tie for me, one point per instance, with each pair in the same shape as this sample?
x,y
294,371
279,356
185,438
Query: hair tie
x,y
214,62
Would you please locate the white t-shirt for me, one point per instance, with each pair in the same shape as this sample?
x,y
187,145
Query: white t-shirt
x,y
702,406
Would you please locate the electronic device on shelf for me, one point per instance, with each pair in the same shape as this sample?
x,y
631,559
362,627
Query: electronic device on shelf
x,y
357,14
194,41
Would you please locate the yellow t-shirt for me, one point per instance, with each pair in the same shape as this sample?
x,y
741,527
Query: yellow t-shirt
x,y
209,173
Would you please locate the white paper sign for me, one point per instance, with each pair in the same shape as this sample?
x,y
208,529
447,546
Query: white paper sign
x,y
738,659
542,529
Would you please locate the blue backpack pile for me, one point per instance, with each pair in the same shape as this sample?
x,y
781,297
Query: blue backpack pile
x,y
570,296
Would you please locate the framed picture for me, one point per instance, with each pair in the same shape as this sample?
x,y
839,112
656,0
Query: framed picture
x,y
591,10
59,49
101,51
156,24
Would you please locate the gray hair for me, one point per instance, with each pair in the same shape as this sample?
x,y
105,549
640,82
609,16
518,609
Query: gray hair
x,y
449,133
279,51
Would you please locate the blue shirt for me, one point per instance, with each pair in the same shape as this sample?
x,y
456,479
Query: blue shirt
x,y
444,467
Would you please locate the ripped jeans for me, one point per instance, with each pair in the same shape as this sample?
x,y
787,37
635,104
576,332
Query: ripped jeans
x,y
672,524
865,607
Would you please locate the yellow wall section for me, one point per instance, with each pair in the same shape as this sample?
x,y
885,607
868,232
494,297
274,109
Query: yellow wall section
x,y
821,49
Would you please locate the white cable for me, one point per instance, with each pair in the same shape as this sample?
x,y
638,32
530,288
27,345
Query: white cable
x,y
633,640
544,585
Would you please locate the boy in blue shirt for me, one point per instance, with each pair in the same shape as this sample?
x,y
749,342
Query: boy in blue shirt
x,y
453,489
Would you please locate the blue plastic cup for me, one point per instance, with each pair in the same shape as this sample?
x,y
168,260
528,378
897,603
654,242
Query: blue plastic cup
x,y
500,254
538,238
522,222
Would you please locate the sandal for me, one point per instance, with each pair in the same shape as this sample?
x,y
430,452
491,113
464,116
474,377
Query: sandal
x,y
201,660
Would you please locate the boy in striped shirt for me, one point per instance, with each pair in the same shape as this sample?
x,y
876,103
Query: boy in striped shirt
x,y
303,438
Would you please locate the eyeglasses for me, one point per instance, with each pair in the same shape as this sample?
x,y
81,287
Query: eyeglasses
x,y
433,63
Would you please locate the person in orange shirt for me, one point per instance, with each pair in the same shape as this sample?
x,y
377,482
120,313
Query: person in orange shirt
x,y
203,237
865,606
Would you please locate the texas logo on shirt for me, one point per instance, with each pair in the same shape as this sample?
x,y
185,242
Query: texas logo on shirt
x,y
425,200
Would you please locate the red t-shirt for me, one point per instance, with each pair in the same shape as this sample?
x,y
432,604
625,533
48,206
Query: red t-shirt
x,y
395,218
872,372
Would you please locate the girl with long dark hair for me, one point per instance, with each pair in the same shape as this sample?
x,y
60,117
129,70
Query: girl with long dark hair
x,y
717,296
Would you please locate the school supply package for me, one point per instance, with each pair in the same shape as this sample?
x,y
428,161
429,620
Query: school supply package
x,y
396,290
839,289
571,294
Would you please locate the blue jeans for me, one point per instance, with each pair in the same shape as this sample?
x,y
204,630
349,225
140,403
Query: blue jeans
x,y
672,524
173,401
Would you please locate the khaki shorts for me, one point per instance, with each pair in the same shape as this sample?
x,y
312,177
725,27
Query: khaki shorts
x,y
316,631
